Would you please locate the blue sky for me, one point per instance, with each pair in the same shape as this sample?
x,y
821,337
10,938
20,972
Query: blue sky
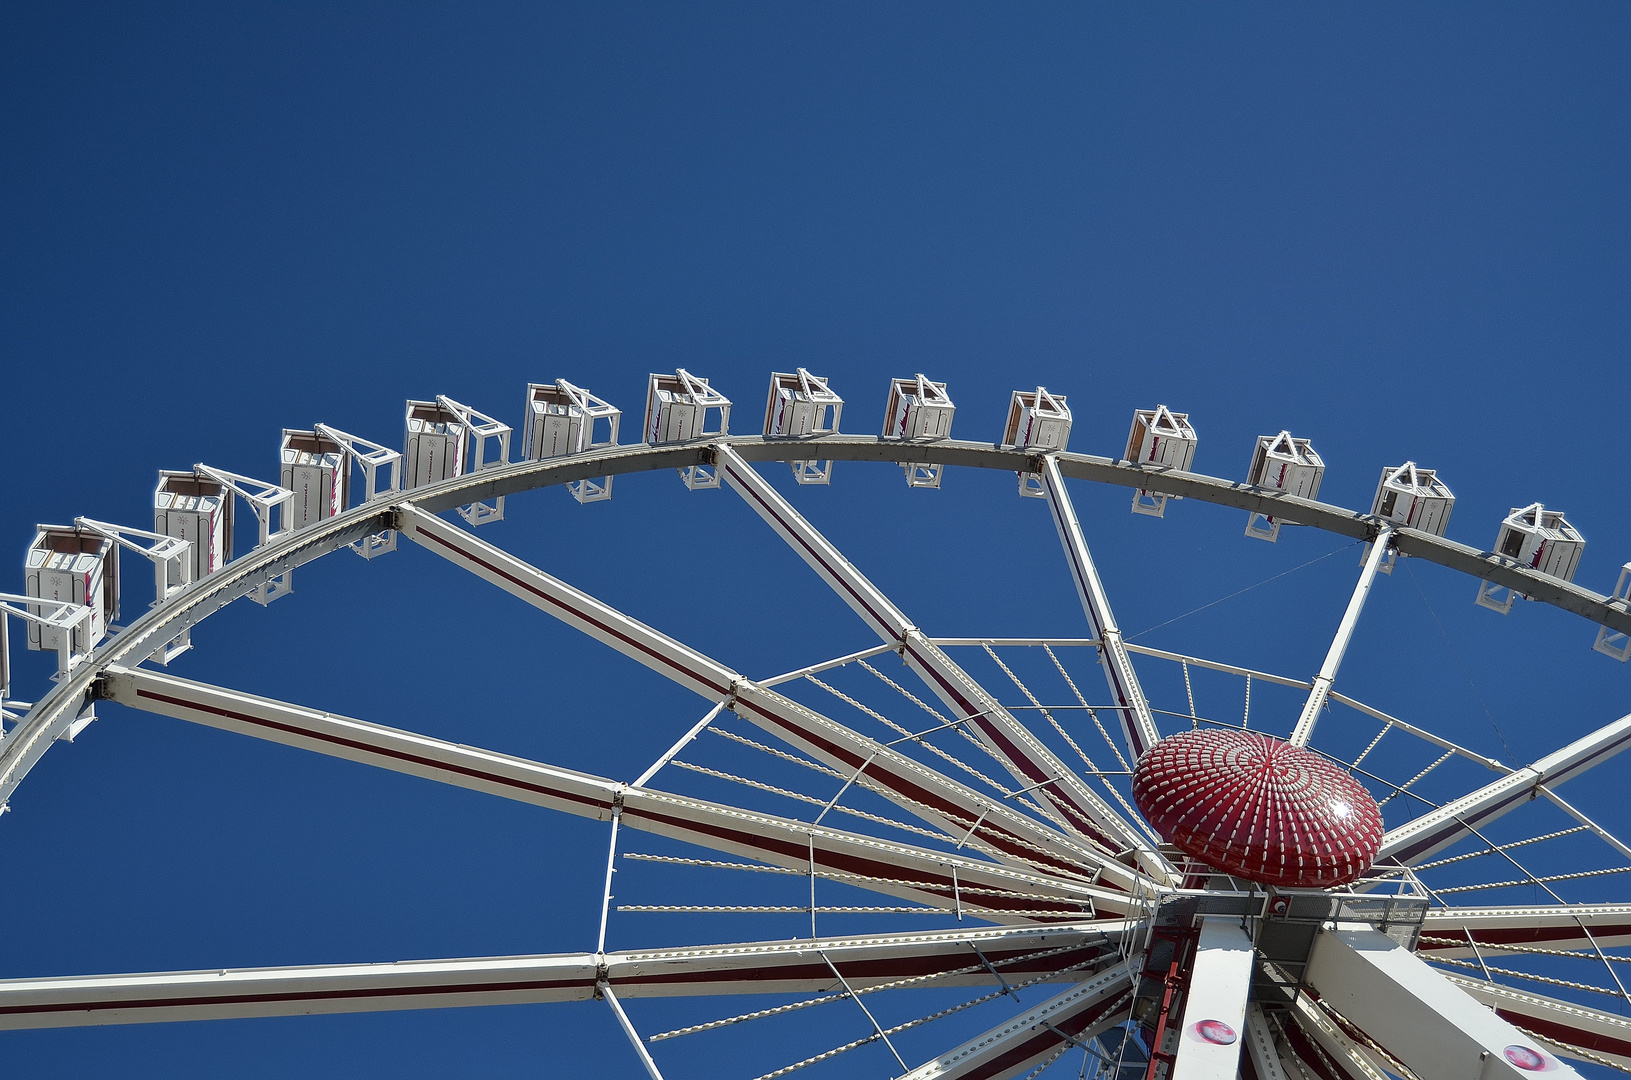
x,y
1399,230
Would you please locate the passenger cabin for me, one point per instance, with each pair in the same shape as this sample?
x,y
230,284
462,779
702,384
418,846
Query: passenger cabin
x,y
562,419
1282,463
918,409
1538,539
1037,420
198,509
802,406
679,408
1163,438
1413,497
314,467
67,564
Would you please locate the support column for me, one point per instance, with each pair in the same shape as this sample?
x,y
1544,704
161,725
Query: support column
x,y
1339,644
1137,723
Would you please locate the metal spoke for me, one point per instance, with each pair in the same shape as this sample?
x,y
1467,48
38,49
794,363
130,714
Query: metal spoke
x,y
936,798
1026,758
771,839
1379,548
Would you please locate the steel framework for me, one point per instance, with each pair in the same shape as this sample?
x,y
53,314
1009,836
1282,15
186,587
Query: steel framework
x,y
1005,823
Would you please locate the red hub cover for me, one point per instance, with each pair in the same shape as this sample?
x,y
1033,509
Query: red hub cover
x,y
1258,808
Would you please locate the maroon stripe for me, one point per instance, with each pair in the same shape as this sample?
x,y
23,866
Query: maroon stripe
x,y
1560,1032
584,616
303,995
1050,1037
378,751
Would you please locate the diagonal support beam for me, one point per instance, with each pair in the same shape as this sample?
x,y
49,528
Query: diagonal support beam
x,y
954,808
1570,1028
1137,722
748,967
1074,1017
1438,829
1420,1017
1025,756
1220,982
1339,643
898,869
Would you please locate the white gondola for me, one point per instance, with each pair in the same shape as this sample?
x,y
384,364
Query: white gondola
x,y
562,419
196,508
1538,539
678,409
1413,497
1163,438
802,406
1613,642
918,409
444,439
1037,420
67,564
312,465
1282,463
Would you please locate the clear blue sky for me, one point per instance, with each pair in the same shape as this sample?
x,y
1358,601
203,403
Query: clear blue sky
x,y
1400,230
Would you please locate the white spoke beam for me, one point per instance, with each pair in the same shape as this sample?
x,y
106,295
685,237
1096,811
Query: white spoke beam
x,y
1315,703
1324,1049
1220,981
1025,757
1076,1016
1420,1017
1568,1027
933,877
1137,723
751,967
943,802
1557,927
1438,829
1261,1058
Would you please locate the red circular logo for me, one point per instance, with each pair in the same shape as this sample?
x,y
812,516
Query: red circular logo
x,y
1216,1031
1525,1058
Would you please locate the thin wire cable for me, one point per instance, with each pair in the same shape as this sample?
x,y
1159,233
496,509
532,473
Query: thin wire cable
x,y
1242,592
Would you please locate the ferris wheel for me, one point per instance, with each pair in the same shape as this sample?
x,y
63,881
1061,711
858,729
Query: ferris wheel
x,y
1177,868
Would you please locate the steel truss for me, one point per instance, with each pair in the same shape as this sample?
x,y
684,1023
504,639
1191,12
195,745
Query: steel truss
x,y
1073,890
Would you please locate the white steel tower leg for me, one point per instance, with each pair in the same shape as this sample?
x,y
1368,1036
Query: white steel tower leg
x,y
1339,644
1259,1038
1137,724
1440,828
1026,757
1427,1022
1214,1024
1074,1017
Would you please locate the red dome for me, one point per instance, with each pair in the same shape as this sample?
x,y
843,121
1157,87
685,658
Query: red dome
x,y
1258,808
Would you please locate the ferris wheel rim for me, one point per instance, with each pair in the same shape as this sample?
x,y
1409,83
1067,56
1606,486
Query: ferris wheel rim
x,y
48,717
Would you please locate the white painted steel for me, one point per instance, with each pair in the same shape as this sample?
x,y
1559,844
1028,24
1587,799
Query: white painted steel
x,y
1440,828
1025,757
1430,1023
1339,643
1259,1039
1560,926
1137,723
767,967
948,805
1076,1016
767,838
1219,984
1568,1028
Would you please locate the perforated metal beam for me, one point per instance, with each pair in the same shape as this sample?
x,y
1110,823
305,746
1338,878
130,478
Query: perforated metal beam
x,y
936,877
932,796
1440,828
747,967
